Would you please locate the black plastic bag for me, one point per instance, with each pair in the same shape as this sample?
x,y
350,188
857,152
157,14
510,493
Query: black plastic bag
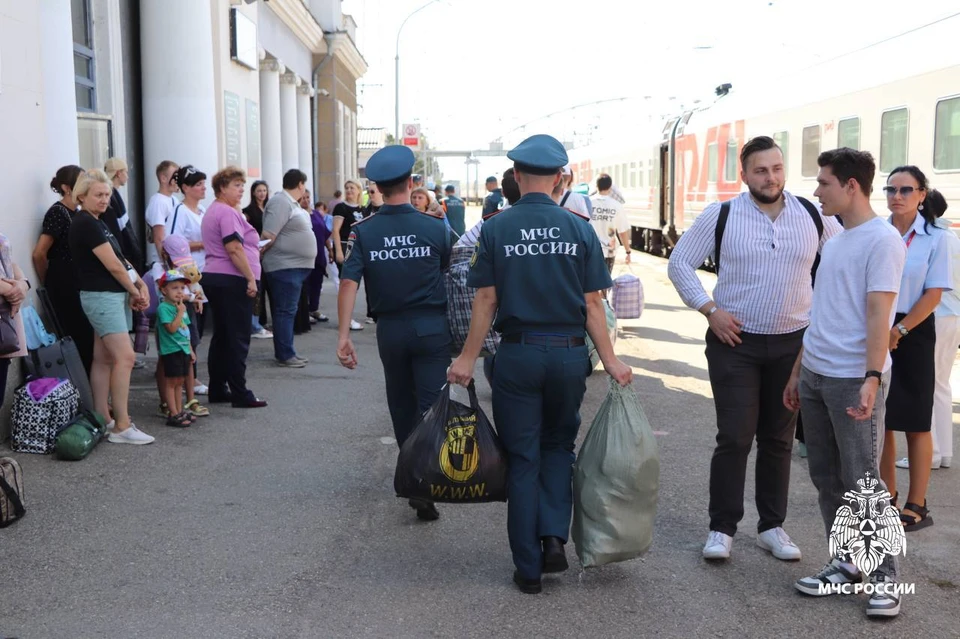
x,y
453,455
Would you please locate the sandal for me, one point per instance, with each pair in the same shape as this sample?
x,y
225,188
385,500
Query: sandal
x,y
196,409
181,420
919,520
163,410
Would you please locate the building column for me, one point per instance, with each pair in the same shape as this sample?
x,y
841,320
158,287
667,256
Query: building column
x,y
271,156
62,143
305,136
179,97
290,145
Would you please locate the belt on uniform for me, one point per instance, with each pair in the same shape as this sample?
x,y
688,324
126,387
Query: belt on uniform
x,y
560,341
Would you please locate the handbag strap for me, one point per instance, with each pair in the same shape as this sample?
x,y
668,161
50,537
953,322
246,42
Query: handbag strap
x,y
13,497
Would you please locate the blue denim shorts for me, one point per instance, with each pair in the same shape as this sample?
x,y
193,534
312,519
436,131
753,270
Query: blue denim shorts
x,y
108,312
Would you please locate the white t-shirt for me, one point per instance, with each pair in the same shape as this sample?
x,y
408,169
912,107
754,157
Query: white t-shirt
x,y
609,219
188,227
159,208
575,202
865,259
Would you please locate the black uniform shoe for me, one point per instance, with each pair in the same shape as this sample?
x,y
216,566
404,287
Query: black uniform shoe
x,y
528,586
554,559
426,511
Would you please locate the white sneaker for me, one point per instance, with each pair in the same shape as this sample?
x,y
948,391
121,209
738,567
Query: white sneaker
x,y
111,425
262,334
935,463
131,435
885,603
201,389
778,543
355,325
718,546
945,461
834,573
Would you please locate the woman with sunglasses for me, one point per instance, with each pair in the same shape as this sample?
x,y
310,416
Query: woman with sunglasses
x,y
926,275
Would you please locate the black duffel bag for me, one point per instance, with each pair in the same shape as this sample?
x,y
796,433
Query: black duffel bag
x,y
453,455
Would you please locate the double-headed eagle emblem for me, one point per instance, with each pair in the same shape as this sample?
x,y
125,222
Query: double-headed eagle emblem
x,y
868,529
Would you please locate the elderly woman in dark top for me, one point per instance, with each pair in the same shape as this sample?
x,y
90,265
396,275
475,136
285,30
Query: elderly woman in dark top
x,y
54,264
109,289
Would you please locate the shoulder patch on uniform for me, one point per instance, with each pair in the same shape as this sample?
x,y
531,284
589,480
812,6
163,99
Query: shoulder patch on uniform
x,y
436,214
578,214
359,222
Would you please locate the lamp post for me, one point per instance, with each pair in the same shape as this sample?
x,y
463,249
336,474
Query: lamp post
x,y
396,101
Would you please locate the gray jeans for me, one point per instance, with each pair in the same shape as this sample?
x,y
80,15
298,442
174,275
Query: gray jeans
x,y
840,450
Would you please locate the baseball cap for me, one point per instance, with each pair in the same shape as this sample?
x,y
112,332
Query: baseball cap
x,y
172,276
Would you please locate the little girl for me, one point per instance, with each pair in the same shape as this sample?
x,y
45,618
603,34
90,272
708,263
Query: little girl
x,y
176,353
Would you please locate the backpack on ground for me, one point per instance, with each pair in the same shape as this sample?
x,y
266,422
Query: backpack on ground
x,y
41,408
11,491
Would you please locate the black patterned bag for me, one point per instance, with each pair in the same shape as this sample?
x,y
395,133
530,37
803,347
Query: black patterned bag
x,y
37,422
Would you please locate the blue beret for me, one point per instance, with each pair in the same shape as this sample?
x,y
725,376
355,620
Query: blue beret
x,y
539,154
391,163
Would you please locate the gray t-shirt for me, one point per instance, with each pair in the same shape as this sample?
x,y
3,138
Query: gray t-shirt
x,y
865,259
296,245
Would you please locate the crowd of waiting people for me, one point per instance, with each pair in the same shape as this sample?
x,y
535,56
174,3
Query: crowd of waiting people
x,y
266,261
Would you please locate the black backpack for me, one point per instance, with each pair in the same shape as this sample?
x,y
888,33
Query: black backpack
x,y
722,224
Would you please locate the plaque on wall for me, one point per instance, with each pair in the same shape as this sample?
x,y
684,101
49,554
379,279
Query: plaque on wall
x,y
231,125
253,139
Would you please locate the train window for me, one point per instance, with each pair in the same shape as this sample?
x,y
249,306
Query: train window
x,y
782,139
946,138
848,133
640,176
730,162
633,175
712,160
893,139
810,151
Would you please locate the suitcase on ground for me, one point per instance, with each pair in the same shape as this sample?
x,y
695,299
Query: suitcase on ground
x,y
11,491
61,359
627,296
36,422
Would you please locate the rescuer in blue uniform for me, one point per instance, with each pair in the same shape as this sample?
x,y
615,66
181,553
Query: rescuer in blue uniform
x,y
400,253
539,268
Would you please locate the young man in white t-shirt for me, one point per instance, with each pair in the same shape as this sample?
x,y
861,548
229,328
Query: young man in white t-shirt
x,y
610,220
160,208
841,378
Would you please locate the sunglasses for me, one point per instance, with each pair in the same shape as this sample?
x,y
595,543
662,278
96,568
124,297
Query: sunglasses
x,y
891,191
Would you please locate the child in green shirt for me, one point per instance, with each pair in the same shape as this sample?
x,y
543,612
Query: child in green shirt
x,y
176,354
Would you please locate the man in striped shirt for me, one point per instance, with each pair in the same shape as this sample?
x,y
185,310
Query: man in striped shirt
x,y
757,318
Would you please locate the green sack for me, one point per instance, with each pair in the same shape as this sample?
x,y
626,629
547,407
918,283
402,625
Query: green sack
x,y
611,328
615,482
80,436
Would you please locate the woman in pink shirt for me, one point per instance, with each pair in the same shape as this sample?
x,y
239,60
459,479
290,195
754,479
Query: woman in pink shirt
x,y
231,279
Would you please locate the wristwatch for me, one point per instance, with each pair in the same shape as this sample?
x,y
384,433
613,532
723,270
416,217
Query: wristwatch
x,y
903,330
876,374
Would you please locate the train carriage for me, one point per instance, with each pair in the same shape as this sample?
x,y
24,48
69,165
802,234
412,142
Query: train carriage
x,y
878,99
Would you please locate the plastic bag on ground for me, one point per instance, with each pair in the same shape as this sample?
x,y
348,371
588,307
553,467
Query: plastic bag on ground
x,y
615,482
453,455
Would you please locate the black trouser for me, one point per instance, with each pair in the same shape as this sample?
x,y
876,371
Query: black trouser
x,y
227,356
748,383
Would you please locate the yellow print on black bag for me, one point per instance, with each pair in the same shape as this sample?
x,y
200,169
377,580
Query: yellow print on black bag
x,y
460,453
